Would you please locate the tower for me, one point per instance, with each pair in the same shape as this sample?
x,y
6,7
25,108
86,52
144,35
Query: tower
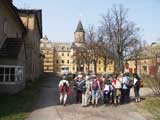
x,y
79,34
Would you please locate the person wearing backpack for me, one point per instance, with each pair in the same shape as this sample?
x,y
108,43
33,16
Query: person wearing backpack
x,y
136,84
64,90
95,87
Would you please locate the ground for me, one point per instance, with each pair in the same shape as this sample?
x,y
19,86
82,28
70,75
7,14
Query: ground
x,y
47,107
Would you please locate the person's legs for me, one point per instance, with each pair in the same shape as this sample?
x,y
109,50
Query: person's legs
x,y
80,96
83,99
118,94
65,98
108,97
126,96
97,96
114,96
77,100
122,96
139,99
93,97
61,97
104,98
86,99
135,92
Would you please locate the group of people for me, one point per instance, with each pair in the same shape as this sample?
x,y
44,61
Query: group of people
x,y
109,89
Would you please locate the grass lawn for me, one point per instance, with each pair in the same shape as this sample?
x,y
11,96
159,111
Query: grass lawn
x,y
152,105
19,106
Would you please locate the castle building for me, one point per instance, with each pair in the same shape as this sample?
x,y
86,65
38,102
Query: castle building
x,y
64,55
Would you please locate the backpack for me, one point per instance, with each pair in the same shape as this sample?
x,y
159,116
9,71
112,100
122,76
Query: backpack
x,y
64,87
95,85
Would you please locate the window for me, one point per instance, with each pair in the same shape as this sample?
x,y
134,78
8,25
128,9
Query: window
x,y
73,68
86,68
68,54
10,74
73,61
99,69
62,61
109,69
145,68
99,62
62,54
57,61
68,61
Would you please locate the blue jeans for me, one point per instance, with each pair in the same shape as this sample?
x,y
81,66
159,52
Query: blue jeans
x,y
94,94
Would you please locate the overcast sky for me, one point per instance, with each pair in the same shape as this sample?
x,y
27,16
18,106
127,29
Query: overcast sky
x,y
60,17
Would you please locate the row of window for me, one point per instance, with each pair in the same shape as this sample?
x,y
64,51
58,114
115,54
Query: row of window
x,y
11,74
74,62
64,54
74,68
63,61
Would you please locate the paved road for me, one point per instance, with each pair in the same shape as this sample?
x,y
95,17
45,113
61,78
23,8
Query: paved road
x,y
47,107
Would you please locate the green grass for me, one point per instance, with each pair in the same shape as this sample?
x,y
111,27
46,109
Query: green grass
x,y
19,106
152,105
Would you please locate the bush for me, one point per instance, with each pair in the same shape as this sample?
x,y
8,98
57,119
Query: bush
x,y
154,83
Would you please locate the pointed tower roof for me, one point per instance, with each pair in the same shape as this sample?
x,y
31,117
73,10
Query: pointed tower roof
x,y
80,27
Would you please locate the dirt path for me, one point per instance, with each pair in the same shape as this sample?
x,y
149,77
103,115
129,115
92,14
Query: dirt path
x,y
47,107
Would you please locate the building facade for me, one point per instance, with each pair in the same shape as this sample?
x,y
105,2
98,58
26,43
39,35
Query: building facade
x,y
48,53
15,34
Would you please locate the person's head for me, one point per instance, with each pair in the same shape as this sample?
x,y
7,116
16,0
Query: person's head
x,y
87,78
121,75
135,75
126,74
80,77
64,77
115,76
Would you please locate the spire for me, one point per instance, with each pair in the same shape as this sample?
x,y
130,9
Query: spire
x,y
80,27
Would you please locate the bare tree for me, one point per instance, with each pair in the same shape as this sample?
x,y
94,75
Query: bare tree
x,y
119,33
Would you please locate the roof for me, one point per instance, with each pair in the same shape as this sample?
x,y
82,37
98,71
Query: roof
x,y
38,15
14,11
62,47
11,48
80,27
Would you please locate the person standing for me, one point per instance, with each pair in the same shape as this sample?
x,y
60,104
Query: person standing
x,y
64,90
107,89
87,93
114,82
95,88
136,83
125,89
118,90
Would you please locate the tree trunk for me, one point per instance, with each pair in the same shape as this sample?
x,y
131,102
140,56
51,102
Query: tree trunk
x,y
95,67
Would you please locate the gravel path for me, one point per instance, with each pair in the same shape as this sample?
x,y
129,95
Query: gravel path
x,y
47,107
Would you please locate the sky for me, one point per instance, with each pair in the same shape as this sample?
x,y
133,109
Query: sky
x,y
60,17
